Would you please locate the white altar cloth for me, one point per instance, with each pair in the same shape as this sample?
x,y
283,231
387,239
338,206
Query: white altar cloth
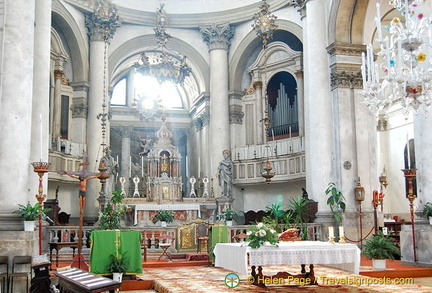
x,y
234,256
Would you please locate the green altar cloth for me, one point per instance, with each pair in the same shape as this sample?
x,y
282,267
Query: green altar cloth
x,y
218,234
105,243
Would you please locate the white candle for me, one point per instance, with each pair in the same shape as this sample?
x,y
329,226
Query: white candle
x,y
187,168
41,140
290,132
130,166
199,167
211,165
331,232
378,22
273,134
142,166
408,153
341,231
399,55
363,68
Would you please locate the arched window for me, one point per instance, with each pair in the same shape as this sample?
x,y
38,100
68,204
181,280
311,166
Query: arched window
x,y
147,93
282,106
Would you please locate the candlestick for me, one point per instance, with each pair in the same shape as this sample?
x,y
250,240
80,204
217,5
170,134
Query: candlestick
x,y
40,168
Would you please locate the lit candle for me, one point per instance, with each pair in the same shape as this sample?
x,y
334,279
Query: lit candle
x,y
341,231
375,195
41,140
331,232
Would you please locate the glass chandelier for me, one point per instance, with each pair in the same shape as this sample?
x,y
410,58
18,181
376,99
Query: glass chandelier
x,y
163,64
402,73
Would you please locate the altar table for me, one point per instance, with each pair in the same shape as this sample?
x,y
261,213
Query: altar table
x,y
234,256
105,243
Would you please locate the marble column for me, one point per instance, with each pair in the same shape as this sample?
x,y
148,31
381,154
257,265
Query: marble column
x,y
16,107
319,144
300,101
217,38
101,26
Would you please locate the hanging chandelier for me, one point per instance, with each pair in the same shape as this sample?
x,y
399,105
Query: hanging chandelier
x,y
161,63
402,73
264,23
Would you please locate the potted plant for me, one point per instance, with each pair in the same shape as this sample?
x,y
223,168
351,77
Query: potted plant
x,y
164,216
274,216
336,202
427,211
379,248
118,266
228,216
30,213
110,217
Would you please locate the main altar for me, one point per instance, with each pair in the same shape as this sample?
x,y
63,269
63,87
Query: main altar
x,y
159,185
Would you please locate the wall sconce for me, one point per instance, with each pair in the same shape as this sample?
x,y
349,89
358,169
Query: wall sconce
x,y
267,174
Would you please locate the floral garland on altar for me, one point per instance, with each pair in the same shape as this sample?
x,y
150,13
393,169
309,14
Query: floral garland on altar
x,y
260,234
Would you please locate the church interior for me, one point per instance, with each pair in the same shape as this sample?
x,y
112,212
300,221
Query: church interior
x,y
167,131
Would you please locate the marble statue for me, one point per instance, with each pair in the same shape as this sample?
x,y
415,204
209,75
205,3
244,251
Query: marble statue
x,y
225,173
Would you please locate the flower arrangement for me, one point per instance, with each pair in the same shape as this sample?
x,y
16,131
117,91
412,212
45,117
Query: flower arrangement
x,y
259,234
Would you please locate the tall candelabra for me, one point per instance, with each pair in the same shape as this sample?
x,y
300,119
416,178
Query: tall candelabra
x,y
410,174
40,168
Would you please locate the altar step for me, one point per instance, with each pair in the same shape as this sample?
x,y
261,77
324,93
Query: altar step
x,y
178,260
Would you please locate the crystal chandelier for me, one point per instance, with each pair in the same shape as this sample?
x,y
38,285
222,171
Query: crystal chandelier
x,y
402,73
163,64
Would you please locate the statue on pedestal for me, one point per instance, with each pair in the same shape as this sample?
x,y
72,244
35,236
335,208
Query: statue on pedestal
x,y
225,173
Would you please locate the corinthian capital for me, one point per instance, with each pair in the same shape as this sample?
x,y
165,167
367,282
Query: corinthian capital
x,y
218,36
102,23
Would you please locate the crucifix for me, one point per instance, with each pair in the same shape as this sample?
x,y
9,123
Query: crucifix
x,y
83,176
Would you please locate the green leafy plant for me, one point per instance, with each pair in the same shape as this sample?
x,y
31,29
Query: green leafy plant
x,y
163,216
297,214
336,202
227,215
380,247
119,263
259,234
427,210
110,217
31,213
274,216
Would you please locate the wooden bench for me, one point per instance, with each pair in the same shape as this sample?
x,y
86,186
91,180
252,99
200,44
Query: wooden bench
x,y
78,281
